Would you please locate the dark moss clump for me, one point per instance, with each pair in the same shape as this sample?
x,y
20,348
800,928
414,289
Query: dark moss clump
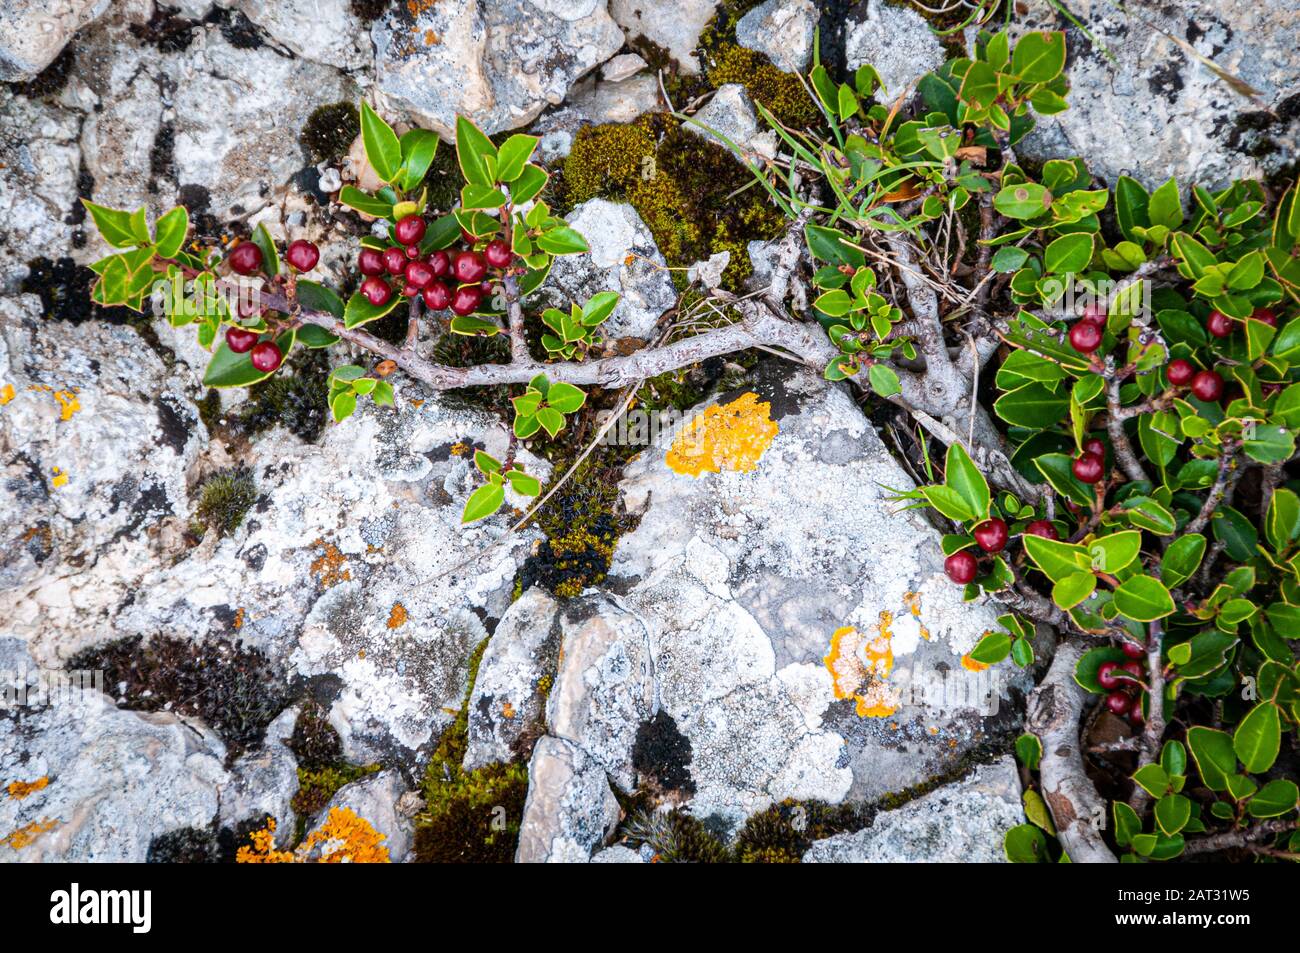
x,y
314,741
239,31
369,10
663,754
166,30
64,289
329,131
234,689
51,80
469,816
459,350
188,845
784,832
224,499
675,837
296,398
321,767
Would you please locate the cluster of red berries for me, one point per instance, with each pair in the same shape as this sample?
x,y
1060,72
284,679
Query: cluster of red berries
x,y
1123,681
428,275
1087,332
246,259
992,536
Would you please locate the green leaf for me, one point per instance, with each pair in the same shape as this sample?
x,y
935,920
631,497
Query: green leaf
x,y
1212,750
527,403
1074,589
523,484
1023,201
1036,810
316,297
1114,552
599,307
1258,738
1131,202
1039,57
270,257
342,405
1181,559
1008,259
992,648
474,196
948,502
315,337
1274,799
484,501
1029,750
1145,513
1033,406
228,369
383,149
528,184
1025,844
359,310
419,146
1173,758
475,153
1127,824
565,397
1144,599
1069,254
834,304
884,380
170,231
383,394
1165,207
526,426
562,241
1085,670
1056,559
1269,444
552,420
354,198
114,225
1153,779
1057,468
1173,811
514,154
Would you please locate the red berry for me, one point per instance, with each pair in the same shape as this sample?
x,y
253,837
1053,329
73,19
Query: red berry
x,y
418,273
497,253
370,261
1095,312
412,252
1218,324
440,262
1207,386
302,255
469,267
1133,669
1135,716
245,259
1133,650
376,291
266,356
240,340
1118,703
1094,445
1180,372
1106,675
1266,315
409,230
466,300
1043,528
960,567
437,295
1088,468
394,261
992,535
1085,337
409,290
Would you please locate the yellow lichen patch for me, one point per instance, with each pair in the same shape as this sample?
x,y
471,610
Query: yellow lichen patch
x,y
68,403
397,616
26,835
507,710
459,448
6,394
331,566
344,838
971,665
724,437
57,477
860,664
20,789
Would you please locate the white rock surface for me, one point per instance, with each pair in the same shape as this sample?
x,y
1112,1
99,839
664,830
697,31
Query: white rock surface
x,y
264,780
376,798
570,809
782,30
591,103
960,823
326,31
623,257
896,40
1155,112
729,117
675,25
33,33
499,63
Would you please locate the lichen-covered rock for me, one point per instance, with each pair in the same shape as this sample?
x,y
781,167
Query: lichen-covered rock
x,y
1166,113
592,103
674,25
896,40
39,159
623,257
570,809
376,798
264,781
782,30
499,64
327,31
509,696
33,33
962,822
103,782
729,119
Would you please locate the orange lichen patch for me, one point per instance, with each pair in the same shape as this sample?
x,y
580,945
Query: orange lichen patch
x,y
860,664
430,38
57,477
68,403
724,437
507,710
26,835
397,616
913,602
6,394
344,838
331,567
459,448
239,619
971,665
20,789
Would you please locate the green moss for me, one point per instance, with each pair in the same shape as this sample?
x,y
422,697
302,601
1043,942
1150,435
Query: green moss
x,y
224,499
784,832
210,409
782,93
329,132
295,398
606,160
469,816
317,785
675,837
